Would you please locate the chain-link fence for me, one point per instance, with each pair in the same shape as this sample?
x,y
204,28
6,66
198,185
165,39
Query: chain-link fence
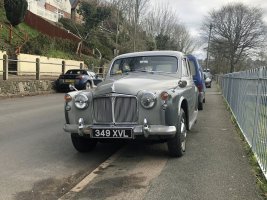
x,y
246,94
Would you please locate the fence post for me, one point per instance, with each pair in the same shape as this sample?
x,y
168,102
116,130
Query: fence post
x,y
37,68
63,66
81,65
5,67
256,134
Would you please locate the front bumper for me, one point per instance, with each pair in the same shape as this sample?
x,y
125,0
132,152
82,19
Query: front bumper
x,y
138,130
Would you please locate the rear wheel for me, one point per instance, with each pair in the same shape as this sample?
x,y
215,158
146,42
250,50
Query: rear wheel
x,y
176,145
200,105
82,144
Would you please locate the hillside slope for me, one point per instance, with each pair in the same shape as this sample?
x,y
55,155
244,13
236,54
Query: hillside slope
x,y
28,40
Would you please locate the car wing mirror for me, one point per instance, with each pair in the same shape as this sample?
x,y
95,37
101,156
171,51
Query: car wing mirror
x,y
72,88
182,83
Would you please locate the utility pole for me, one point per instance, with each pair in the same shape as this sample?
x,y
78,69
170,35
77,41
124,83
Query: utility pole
x,y
117,31
135,23
207,61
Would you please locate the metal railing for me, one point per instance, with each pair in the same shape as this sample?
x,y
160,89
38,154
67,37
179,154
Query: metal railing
x,y
246,94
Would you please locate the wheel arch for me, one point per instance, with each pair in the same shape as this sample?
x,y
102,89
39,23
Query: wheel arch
x,y
183,104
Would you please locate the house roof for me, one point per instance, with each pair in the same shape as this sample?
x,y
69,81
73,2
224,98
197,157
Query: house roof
x,y
74,3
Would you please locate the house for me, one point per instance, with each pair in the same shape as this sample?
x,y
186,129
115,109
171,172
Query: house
x,y
75,5
75,16
50,9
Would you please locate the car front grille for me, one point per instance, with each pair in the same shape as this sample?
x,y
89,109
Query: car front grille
x,y
115,109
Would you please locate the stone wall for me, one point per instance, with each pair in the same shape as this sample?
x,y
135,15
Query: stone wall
x,y
11,88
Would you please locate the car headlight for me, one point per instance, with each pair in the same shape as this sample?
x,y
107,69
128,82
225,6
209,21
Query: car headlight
x,y
148,100
81,101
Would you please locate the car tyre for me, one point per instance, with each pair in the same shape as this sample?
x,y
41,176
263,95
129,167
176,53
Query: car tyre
x,y
82,144
176,145
200,105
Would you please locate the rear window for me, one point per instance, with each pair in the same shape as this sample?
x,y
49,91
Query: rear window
x,y
167,64
76,72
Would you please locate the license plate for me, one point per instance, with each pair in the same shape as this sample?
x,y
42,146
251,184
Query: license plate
x,y
68,81
113,133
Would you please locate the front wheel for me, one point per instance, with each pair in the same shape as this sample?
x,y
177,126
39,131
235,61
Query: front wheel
x,y
200,105
82,144
176,145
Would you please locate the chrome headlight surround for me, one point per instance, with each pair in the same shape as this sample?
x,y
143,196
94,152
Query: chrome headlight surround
x,y
148,100
81,101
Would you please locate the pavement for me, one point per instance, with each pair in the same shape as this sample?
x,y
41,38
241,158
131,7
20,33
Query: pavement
x,y
215,166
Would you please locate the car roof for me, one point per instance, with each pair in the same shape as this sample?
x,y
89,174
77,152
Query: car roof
x,y
151,53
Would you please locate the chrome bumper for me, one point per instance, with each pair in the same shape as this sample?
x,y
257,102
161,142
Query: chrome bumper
x,y
145,130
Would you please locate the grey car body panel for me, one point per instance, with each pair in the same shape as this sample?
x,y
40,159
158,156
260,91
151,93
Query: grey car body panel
x,y
163,116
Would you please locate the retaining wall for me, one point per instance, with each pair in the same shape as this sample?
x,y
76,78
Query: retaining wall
x,y
48,28
48,66
11,88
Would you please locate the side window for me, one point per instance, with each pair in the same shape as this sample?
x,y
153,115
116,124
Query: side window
x,y
185,68
188,67
192,67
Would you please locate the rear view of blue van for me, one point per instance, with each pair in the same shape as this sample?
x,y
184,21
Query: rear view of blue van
x,y
198,78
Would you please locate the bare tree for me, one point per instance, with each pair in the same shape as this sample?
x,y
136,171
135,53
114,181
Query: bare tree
x,y
236,29
182,39
160,24
159,20
131,11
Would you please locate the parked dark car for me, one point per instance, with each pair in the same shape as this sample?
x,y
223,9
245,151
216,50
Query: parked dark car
x,y
82,80
145,95
198,78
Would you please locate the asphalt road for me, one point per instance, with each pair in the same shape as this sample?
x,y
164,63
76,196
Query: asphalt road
x,y
37,160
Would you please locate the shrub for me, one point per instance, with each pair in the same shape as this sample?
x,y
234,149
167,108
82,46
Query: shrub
x,y
15,10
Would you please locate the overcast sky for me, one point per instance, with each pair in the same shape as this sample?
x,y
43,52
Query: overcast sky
x,y
191,12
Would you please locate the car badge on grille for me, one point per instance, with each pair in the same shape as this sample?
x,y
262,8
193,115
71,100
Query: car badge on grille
x,y
113,88
109,95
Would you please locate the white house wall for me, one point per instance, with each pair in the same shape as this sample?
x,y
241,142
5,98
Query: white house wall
x,y
38,8
61,4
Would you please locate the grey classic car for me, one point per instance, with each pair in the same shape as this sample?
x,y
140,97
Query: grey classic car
x,y
145,95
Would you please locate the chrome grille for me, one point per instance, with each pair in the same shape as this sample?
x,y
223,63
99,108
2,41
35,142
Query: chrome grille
x,y
115,109
103,109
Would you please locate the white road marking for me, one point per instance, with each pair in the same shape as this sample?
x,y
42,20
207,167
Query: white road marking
x,y
137,173
81,185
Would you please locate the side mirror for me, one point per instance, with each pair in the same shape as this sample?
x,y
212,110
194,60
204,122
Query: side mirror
x,y
182,83
72,87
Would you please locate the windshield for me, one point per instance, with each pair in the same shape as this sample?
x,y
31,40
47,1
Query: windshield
x,y
166,64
